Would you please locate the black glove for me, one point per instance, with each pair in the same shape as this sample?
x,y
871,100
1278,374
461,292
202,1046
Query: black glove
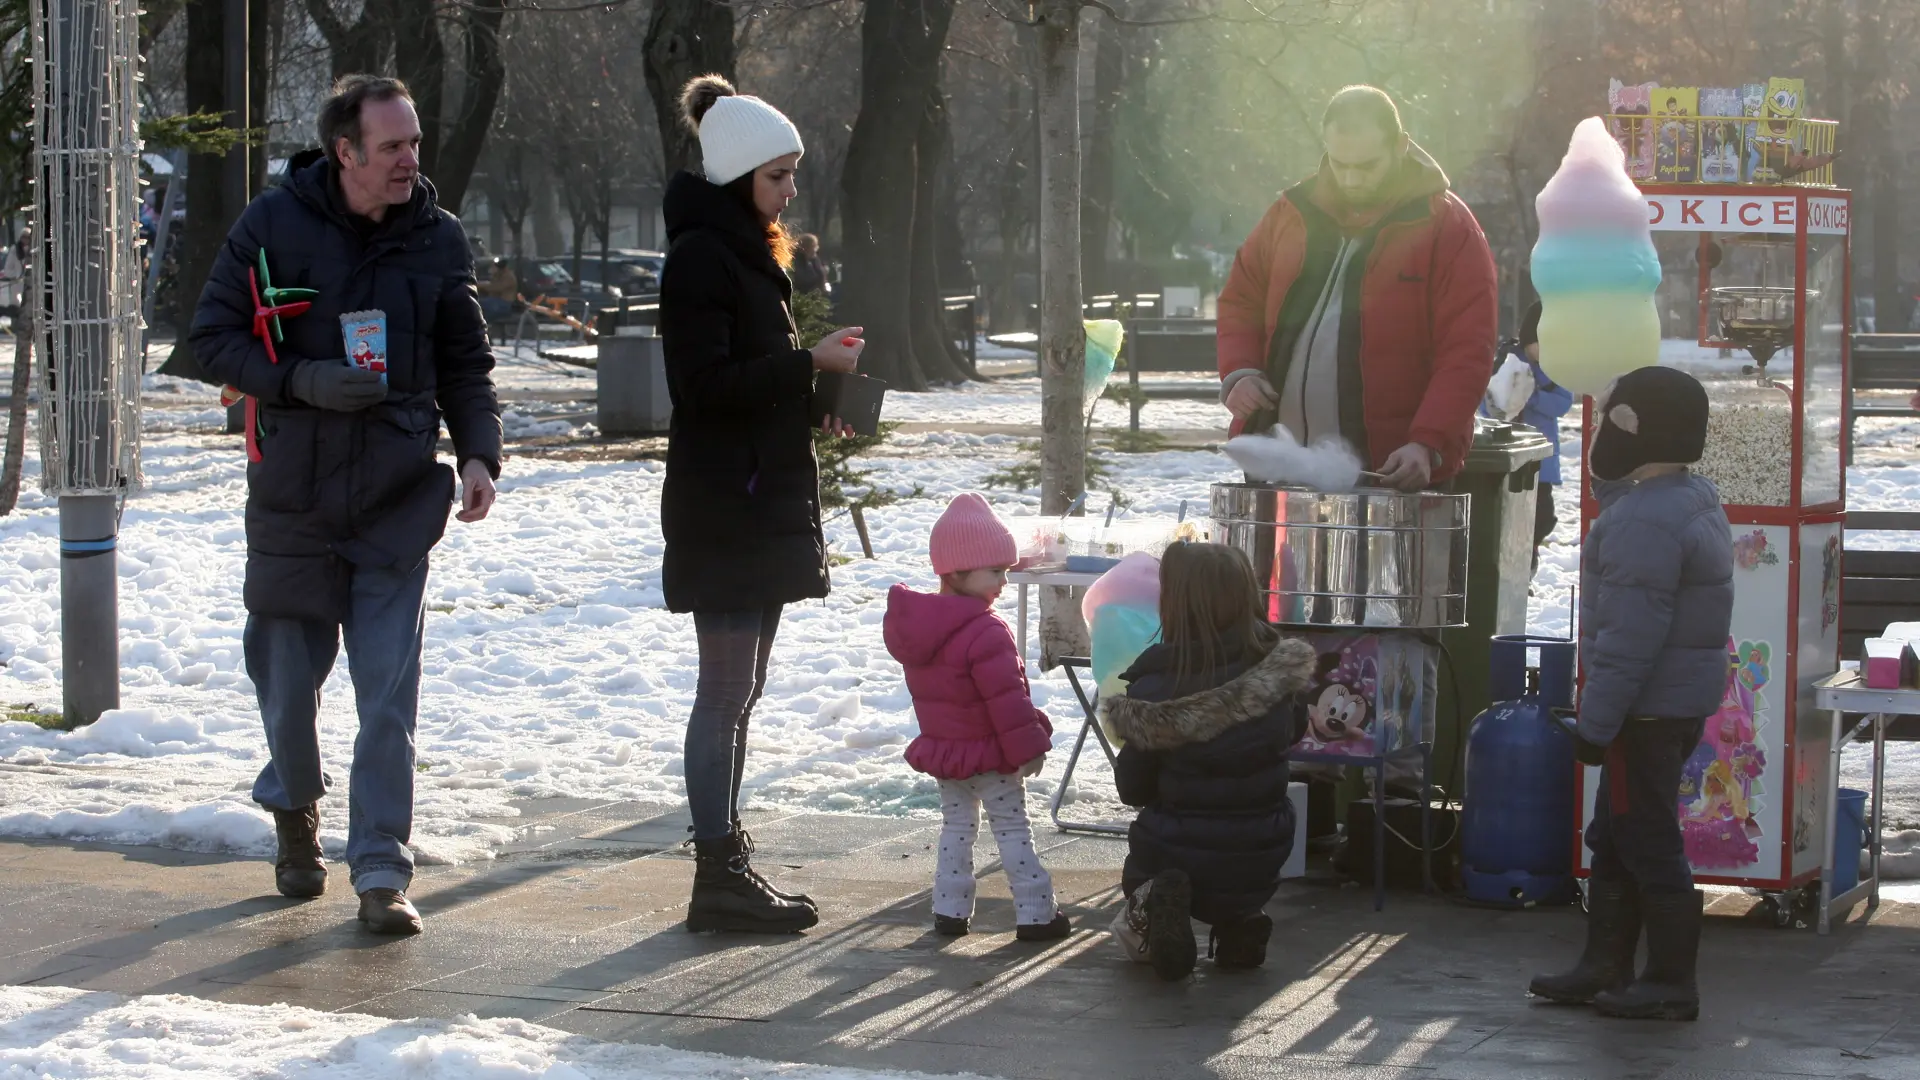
x,y
1584,752
336,385
1587,753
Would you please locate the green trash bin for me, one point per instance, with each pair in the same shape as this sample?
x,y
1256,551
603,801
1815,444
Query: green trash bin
x,y
1502,474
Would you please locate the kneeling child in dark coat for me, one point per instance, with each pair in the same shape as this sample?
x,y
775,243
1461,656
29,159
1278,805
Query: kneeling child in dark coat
x,y
1209,717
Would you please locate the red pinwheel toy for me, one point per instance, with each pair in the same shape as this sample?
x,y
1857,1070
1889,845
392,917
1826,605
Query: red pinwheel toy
x,y
269,304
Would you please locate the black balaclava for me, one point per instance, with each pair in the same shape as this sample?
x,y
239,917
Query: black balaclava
x,y
1651,416
1530,325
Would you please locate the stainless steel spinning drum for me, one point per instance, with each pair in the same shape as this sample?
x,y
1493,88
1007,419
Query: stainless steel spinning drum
x,y
1370,557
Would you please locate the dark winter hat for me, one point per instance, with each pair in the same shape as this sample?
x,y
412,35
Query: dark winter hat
x,y
1530,325
1650,416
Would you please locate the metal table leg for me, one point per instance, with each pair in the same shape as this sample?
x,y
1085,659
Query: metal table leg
x,y
1426,827
1879,806
1088,707
1379,834
1831,833
1023,627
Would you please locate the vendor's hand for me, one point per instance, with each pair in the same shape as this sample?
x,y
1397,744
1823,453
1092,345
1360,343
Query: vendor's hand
x,y
336,385
1587,753
476,492
833,425
1409,468
1250,394
1032,768
840,350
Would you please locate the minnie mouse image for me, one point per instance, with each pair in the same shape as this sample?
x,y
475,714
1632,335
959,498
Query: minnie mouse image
x,y
1339,715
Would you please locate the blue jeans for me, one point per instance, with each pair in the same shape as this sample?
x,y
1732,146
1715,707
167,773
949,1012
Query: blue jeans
x,y
734,646
289,660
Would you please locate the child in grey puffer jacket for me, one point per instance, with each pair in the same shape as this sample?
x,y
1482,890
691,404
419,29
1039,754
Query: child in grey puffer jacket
x,y
1656,581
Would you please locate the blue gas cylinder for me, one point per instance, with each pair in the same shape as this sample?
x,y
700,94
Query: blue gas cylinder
x,y
1516,827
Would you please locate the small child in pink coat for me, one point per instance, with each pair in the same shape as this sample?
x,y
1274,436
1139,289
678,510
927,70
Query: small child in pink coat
x,y
980,735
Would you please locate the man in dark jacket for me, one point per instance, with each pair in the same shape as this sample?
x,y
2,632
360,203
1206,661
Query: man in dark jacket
x,y
344,495
1365,304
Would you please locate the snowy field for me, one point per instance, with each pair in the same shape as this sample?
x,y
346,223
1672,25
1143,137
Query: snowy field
x,y
76,1033
551,667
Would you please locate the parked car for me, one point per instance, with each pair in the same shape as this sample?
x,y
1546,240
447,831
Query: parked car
x,y
630,270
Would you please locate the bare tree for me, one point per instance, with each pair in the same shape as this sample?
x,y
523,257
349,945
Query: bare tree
x,y
888,182
685,40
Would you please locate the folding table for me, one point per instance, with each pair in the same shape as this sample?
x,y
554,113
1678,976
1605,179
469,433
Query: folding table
x,y
1846,692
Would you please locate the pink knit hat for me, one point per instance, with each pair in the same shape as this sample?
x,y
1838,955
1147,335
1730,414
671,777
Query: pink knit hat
x,y
970,536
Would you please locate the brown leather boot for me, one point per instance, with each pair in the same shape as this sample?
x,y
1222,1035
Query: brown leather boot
x,y
298,869
388,911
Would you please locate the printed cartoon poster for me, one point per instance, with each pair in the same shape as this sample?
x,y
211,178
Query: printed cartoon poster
x,y
1721,785
1775,138
1721,142
1677,134
1631,108
1372,694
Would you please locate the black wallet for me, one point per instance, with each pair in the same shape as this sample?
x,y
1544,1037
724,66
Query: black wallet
x,y
855,399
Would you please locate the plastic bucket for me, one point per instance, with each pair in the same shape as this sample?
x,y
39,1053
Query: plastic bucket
x,y
1849,838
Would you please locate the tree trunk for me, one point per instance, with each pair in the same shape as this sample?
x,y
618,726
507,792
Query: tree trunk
x,y
901,42
1870,141
420,61
466,134
14,458
207,215
685,40
1007,312
934,351
1063,440
260,15
1096,199
360,48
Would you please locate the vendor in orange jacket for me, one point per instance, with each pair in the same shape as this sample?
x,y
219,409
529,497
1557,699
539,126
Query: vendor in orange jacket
x,y
1365,304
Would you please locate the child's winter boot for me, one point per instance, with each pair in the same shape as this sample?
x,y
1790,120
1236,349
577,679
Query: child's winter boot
x,y
1170,944
727,896
1667,989
1613,932
1052,930
1241,946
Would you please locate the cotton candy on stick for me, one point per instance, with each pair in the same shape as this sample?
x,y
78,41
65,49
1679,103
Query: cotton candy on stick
x,y
1595,267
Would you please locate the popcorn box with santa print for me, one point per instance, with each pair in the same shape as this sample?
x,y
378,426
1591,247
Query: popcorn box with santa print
x,y
1763,322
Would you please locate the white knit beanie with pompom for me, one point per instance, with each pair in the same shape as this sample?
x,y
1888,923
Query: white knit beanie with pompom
x,y
740,133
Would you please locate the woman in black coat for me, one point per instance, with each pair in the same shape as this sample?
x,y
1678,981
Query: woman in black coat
x,y
1208,720
741,504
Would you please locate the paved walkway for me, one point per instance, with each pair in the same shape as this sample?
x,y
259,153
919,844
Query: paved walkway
x,y
579,928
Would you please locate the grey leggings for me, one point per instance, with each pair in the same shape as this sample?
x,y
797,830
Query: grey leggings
x,y
734,646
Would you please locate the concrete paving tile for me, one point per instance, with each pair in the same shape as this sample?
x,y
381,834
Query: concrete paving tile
x,y
808,838
320,999
481,981
44,970
441,1005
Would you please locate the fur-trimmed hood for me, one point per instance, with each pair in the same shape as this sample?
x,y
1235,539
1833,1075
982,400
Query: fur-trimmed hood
x,y
1202,717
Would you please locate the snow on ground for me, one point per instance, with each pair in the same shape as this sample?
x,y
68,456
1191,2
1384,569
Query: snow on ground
x,y
53,1031
550,665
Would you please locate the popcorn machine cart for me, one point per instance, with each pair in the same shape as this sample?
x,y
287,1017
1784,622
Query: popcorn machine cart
x,y
1767,336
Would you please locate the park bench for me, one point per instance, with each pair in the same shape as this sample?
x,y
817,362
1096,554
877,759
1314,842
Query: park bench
x,y
1168,346
1878,588
1886,362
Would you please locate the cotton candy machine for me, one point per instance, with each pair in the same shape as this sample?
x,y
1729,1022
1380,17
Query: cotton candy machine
x,y
1365,558
1757,318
